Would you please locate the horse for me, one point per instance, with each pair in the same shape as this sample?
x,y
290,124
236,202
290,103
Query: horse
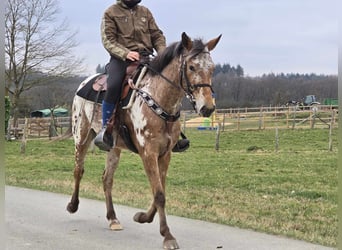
x,y
184,68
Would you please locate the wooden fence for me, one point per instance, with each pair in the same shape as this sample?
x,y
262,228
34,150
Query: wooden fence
x,y
39,127
263,118
227,119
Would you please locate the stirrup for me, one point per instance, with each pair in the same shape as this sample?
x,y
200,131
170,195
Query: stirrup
x,y
181,145
104,140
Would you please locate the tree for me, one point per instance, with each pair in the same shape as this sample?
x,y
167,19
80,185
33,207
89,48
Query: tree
x,y
239,71
36,48
100,68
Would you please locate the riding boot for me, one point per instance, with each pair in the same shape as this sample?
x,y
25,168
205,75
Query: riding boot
x,y
182,144
104,139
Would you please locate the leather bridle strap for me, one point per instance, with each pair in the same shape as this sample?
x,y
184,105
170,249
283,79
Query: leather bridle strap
x,y
192,87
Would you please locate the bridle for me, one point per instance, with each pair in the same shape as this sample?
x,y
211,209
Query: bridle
x,y
189,88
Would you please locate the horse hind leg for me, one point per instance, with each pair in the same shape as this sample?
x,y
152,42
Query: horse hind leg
x,y
80,153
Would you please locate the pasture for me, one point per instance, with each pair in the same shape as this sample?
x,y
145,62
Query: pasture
x,y
246,183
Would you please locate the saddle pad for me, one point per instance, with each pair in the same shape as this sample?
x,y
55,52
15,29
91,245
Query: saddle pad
x,y
88,93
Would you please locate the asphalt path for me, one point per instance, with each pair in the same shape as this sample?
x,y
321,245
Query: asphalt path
x,y
38,220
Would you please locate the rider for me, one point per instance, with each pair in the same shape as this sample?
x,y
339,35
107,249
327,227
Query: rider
x,y
127,29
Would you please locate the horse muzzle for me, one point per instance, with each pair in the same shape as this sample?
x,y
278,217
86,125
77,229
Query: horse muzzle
x,y
206,112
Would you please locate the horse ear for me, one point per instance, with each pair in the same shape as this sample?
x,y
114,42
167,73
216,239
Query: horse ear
x,y
186,41
212,43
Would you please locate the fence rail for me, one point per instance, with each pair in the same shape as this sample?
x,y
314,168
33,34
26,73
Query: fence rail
x,y
39,127
263,118
228,119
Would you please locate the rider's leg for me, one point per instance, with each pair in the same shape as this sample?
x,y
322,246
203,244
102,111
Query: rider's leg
x,y
116,70
107,111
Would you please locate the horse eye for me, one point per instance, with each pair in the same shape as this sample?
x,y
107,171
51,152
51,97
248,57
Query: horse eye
x,y
192,68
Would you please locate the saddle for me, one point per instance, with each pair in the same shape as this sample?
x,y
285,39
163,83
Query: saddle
x,y
95,88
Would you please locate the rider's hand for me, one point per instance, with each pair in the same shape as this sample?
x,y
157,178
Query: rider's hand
x,y
133,56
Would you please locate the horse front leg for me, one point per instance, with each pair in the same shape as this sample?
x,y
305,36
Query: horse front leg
x,y
80,153
112,162
169,241
156,170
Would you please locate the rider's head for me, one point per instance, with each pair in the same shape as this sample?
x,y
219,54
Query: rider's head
x,y
131,3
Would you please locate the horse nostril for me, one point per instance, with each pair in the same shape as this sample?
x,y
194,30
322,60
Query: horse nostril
x,y
206,112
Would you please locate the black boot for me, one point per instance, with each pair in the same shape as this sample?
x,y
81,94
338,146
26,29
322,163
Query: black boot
x,y
104,139
182,144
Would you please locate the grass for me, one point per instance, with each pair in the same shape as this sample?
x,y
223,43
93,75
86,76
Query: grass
x,y
291,192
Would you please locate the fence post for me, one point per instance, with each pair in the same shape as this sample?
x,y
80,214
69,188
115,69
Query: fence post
x,y
238,122
218,131
294,118
330,129
260,118
276,139
312,119
224,120
23,139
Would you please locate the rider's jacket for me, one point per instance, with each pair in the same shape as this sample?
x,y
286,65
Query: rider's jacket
x,y
124,30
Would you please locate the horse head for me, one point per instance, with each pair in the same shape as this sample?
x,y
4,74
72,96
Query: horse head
x,y
196,73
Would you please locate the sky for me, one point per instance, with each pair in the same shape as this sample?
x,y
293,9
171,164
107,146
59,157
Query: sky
x,y
262,36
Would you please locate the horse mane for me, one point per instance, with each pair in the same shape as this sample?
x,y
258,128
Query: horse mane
x,y
172,51
165,57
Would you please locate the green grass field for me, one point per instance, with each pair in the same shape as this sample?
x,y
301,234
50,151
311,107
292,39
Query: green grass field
x,y
246,183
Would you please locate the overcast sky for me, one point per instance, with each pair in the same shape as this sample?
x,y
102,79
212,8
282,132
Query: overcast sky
x,y
263,36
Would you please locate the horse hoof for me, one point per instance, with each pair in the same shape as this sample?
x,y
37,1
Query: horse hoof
x,y
141,217
115,225
138,217
71,208
171,244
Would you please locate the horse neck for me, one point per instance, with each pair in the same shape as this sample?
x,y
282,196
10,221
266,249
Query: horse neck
x,y
167,95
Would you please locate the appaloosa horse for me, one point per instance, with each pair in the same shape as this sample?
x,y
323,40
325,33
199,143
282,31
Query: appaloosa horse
x,y
183,69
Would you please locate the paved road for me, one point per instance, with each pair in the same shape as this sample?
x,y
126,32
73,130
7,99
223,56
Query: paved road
x,y
38,220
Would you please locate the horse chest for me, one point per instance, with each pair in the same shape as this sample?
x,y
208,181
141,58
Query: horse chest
x,y
147,126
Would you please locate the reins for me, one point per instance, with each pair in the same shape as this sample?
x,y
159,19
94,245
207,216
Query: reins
x,y
162,76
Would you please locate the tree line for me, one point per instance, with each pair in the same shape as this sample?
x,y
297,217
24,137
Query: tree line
x,y
231,90
234,90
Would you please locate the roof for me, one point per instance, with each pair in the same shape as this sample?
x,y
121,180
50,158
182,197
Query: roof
x,y
47,112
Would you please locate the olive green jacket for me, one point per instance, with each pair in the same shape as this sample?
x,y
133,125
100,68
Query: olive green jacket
x,y
124,30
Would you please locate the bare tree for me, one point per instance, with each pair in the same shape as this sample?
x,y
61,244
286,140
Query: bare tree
x,y
37,49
